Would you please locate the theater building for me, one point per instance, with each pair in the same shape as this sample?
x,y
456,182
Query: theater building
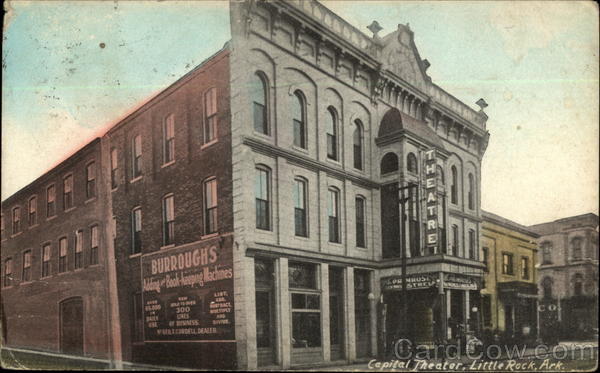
x,y
568,272
509,297
253,208
327,124
54,262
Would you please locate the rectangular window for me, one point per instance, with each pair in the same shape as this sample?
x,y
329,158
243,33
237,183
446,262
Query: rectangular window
x,y
16,220
360,222
210,207
300,216
507,264
136,230
262,196
78,249
68,192
454,240
7,272
46,255
114,166
333,213
306,305
210,122
168,220
471,244
26,276
94,240
525,268
62,255
485,251
50,201
137,330
32,211
90,186
136,156
169,139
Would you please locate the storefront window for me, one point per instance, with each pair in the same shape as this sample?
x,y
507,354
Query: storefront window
x,y
306,305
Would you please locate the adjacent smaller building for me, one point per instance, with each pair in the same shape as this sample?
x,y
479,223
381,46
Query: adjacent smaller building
x,y
509,293
568,272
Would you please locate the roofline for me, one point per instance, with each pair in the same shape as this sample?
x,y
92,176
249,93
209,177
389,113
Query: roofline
x,y
142,107
146,104
70,159
569,218
507,223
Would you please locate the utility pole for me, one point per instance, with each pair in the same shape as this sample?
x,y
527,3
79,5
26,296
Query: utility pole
x,y
402,202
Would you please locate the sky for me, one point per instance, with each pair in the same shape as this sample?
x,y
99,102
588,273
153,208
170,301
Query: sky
x,y
71,69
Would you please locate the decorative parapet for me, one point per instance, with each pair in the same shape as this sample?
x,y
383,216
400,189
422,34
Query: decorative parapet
x,y
338,26
459,107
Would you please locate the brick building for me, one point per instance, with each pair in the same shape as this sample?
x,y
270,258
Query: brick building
x,y
54,266
508,303
171,192
251,208
568,271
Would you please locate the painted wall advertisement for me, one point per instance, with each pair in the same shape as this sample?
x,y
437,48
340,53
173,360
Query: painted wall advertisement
x,y
188,292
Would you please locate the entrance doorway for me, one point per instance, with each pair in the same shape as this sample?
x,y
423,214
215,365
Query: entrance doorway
x,y
362,313
265,311
509,319
71,326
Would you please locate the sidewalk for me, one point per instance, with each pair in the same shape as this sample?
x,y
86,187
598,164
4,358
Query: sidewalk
x,y
522,355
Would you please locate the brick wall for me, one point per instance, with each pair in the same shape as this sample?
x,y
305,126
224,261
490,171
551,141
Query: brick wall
x,y
31,308
195,160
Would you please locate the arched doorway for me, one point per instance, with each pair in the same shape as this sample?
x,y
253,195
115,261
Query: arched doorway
x,y
71,326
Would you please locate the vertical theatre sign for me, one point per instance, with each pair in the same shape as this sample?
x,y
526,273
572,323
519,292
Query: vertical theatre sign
x,y
431,192
188,293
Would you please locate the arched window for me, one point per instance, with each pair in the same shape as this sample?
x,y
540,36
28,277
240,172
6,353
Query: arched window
x,y
546,253
360,206
411,163
454,240
357,140
454,186
389,163
576,248
440,175
547,287
471,195
332,152
472,243
578,284
259,98
299,119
